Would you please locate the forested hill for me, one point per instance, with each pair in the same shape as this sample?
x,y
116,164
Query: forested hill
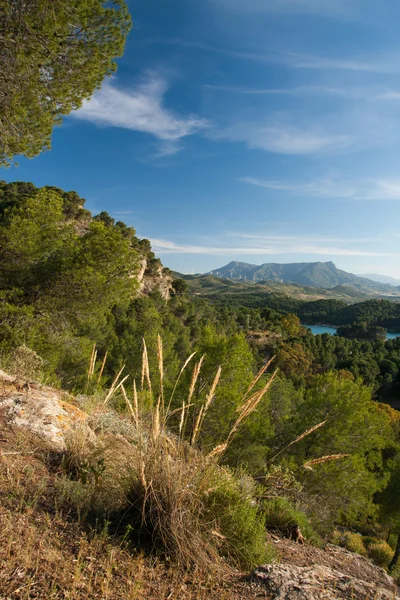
x,y
67,278
317,274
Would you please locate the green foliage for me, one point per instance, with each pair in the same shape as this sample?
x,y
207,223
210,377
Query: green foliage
x,y
59,282
24,362
68,280
349,540
54,55
381,553
240,524
282,516
348,484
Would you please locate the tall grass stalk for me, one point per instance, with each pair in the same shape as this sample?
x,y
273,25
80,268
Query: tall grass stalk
x,y
298,439
245,409
185,502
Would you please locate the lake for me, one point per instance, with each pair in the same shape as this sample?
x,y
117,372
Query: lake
x,y
318,329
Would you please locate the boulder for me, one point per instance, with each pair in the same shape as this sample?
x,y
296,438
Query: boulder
x,y
42,411
322,582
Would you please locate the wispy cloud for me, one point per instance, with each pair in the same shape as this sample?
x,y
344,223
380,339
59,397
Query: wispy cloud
x,y
141,108
385,64
299,246
290,239
304,61
356,93
324,7
296,91
276,135
379,189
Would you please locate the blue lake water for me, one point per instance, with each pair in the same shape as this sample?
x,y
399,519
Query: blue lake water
x,y
392,336
318,329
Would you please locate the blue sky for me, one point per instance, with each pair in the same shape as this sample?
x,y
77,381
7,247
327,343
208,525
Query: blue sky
x,y
254,130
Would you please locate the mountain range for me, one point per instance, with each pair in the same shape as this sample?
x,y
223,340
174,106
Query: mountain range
x,y
317,274
381,278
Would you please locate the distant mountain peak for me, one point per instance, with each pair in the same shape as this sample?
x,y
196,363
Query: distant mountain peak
x,y
314,274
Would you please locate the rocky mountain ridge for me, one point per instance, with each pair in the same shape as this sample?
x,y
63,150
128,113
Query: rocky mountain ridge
x,y
323,275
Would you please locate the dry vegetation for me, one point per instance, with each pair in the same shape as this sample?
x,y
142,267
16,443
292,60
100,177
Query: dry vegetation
x,y
129,510
46,553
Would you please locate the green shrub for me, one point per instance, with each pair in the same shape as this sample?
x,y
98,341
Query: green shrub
x,y
282,516
349,540
24,362
336,538
354,543
381,553
392,541
368,540
238,521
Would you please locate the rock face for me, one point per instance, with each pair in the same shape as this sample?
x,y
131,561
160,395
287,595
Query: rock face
x,y
159,281
42,411
339,574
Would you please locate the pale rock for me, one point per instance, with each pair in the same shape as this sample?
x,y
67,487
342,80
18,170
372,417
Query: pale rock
x,y
39,410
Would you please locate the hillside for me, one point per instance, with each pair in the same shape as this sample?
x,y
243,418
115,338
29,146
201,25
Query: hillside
x,y
380,278
207,285
51,547
323,275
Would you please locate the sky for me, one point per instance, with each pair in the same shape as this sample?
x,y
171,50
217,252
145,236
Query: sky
x,y
251,130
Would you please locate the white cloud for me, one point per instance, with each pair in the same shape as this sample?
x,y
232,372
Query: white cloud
x,y
299,246
330,188
141,108
305,61
330,7
284,138
309,90
385,64
285,239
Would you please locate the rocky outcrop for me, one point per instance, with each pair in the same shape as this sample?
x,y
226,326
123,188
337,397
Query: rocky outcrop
x,y
157,281
41,411
329,574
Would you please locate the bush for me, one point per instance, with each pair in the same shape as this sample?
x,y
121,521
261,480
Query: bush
x,y
368,540
349,540
381,553
170,496
281,515
239,522
25,362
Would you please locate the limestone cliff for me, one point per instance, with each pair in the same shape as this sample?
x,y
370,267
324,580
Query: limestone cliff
x,y
156,279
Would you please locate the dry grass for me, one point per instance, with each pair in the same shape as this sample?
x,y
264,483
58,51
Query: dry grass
x,y
160,485
46,554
